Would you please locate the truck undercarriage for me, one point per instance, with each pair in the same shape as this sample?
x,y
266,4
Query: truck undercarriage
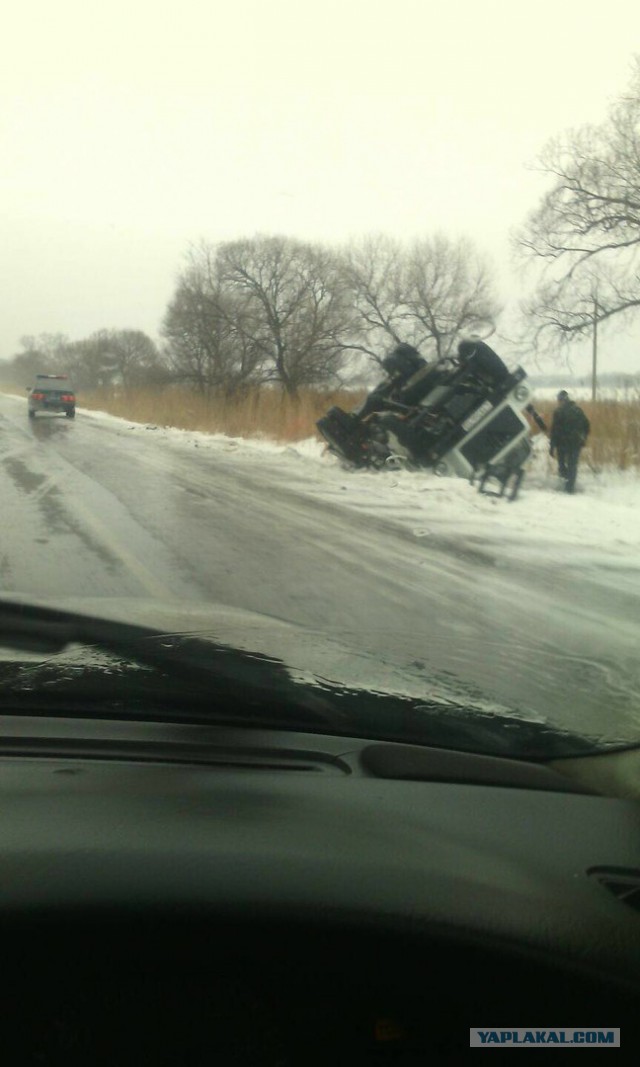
x,y
464,415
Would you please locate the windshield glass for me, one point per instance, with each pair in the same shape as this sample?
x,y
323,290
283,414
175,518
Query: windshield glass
x,y
348,305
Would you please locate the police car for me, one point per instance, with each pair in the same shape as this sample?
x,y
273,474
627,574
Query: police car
x,y
51,392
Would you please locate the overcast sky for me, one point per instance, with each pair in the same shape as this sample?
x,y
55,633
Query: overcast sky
x,y
130,129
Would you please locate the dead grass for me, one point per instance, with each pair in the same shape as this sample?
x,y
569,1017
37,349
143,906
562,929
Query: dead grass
x,y
262,413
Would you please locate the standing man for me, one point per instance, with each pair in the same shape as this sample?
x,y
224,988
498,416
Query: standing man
x,y
569,432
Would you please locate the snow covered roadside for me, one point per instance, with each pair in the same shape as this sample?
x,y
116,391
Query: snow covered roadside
x,y
598,527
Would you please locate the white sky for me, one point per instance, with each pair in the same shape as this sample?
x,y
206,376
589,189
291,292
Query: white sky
x,y
130,129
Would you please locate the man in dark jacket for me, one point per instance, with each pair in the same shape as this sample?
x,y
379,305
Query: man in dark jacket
x,y
569,432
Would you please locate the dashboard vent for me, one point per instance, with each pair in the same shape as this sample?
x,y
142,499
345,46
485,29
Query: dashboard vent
x,y
624,884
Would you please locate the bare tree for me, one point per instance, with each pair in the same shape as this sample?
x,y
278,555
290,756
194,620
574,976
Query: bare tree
x,y
449,294
132,356
374,269
111,357
40,355
586,231
208,330
296,312
428,294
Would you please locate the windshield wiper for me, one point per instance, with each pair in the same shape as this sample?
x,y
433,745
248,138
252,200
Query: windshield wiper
x,y
188,677
204,674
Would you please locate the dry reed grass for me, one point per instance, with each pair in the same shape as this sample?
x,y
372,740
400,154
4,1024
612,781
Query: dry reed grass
x,y
261,413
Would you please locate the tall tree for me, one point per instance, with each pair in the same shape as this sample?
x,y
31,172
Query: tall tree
x,y
449,293
130,356
374,271
585,233
111,357
296,311
207,330
429,294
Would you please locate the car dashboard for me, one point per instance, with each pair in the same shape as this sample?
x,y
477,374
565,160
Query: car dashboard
x,y
181,894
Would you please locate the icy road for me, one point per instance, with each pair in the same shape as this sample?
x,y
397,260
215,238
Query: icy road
x,y
534,604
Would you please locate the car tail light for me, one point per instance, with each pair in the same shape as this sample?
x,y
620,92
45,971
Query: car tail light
x,y
37,396
68,398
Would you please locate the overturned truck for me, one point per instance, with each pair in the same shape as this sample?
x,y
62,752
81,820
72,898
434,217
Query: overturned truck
x,y
466,415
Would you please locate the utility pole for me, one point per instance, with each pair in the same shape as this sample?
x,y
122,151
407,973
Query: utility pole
x,y
594,351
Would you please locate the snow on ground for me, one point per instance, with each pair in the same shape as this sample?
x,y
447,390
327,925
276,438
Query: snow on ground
x,y
599,525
